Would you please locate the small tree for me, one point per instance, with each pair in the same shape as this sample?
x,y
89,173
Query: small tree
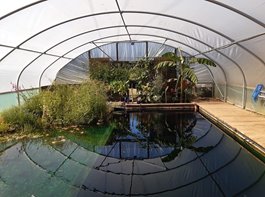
x,y
184,73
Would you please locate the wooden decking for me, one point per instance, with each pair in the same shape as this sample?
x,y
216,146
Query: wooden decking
x,y
250,124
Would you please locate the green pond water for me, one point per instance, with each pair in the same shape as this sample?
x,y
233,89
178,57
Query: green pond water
x,y
136,154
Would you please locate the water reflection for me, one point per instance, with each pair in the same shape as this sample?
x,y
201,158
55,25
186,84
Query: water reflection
x,y
149,135
137,154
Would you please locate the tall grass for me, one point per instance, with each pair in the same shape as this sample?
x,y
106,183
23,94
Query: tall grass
x,y
60,105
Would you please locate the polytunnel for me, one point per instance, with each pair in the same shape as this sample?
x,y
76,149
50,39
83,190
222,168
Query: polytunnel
x,y
111,146
40,38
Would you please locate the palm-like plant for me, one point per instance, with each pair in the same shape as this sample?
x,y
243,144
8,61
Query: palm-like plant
x,y
183,70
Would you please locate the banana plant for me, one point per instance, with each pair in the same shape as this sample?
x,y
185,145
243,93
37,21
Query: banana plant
x,y
183,70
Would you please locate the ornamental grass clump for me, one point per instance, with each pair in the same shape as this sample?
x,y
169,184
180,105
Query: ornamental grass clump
x,y
86,104
75,104
60,105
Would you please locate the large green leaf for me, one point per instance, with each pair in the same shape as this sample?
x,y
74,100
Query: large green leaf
x,y
171,57
202,61
190,74
206,62
165,64
181,58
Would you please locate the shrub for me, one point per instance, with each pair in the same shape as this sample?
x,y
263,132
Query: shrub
x,y
60,105
4,128
14,116
100,70
55,104
88,103
82,104
28,115
34,105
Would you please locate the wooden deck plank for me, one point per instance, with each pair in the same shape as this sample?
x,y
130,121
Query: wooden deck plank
x,y
249,123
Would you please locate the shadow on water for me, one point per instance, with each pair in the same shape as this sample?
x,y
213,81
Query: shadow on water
x,y
135,154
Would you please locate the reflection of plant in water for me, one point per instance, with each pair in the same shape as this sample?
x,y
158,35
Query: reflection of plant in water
x,y
175,131
185,139
166,133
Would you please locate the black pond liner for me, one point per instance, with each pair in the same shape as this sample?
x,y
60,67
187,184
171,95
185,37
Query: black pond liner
x,y
136,164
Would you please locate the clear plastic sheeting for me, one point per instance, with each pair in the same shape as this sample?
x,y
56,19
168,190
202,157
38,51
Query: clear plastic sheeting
x,y
230,33
170,34
4,51
30,76
76,71
254,9
86,38
230,68
257,46
156,49
49,74
6,8
203,73
173,24
105,51
188,49
246,63
132,51
79,50
80,29
196,11
11,66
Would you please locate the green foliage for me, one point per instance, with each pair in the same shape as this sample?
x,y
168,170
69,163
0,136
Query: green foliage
x,y
136,73
55,104
182,70
172,57
120,87
146,70
4,128
202,61
60,105
75,104
151,92
20,117
100,71
34,104
93,101
149,83
165,64
189,74
119,73
116,75
106,72
184,73
13,116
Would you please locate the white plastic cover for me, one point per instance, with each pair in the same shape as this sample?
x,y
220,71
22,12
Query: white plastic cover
x,y
232,33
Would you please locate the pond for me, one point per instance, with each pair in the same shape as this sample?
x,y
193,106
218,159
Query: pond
x,y
136,154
